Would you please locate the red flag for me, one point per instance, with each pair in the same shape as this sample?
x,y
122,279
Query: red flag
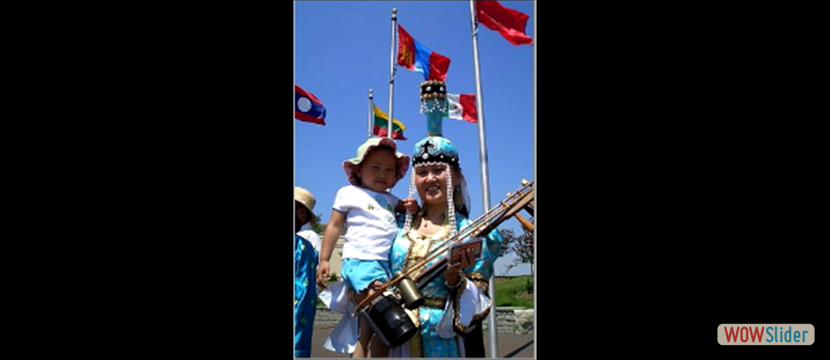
x,y
381,132
406,49
508,22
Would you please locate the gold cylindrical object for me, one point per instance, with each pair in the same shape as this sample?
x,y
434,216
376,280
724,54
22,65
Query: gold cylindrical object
x,y
410,294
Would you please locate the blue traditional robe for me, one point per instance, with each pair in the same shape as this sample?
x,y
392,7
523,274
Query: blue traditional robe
x,y
443,315
305,295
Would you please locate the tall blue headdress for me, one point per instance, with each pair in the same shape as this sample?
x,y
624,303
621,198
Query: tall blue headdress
x,y
436,149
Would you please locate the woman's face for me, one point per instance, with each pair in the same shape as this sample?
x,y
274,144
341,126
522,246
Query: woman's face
x,y
431,182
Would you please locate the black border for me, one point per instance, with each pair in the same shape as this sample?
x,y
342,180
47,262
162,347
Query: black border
x,y
682,146
189,154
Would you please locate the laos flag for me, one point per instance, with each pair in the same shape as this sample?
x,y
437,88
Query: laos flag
x,y
307,107
416,57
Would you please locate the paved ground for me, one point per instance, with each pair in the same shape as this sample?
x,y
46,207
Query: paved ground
x,y
509,345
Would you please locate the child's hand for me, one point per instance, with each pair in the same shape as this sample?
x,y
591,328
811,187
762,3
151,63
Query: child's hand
x,y
322,273
411,205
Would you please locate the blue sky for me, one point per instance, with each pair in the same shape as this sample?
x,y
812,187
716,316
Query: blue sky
x,y
342,49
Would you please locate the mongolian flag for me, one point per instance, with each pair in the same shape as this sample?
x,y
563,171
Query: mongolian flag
x,y
307,107
462,107
416,57
508,22
382,123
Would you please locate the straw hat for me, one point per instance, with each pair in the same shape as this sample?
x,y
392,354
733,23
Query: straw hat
x,y
305,197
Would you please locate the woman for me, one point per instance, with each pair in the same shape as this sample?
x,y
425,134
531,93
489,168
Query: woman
x,y
457,301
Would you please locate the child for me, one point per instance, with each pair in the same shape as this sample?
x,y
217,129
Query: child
x,y
305,215
305,263
368,210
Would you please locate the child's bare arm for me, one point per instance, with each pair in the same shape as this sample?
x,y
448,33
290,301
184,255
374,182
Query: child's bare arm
x,y
333,230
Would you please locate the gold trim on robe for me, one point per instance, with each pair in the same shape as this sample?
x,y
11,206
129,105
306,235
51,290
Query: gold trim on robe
x,y
479,280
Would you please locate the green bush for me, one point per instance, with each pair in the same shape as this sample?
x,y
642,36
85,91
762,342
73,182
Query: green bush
x,y
529,285
515,291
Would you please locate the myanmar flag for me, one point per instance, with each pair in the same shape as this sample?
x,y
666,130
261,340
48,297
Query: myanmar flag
x,y
382,122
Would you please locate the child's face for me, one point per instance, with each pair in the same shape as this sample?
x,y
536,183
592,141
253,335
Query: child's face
x,y
301,211
378,171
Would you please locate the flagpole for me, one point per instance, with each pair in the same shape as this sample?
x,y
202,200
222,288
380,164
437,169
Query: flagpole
x,y
392,71
485,183
370,113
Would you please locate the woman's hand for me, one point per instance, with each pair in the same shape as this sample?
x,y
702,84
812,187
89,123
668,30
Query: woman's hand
x,y
369,291
452,274
410,204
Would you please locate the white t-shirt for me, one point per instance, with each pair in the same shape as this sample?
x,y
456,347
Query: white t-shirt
x,y
370,221
312,237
